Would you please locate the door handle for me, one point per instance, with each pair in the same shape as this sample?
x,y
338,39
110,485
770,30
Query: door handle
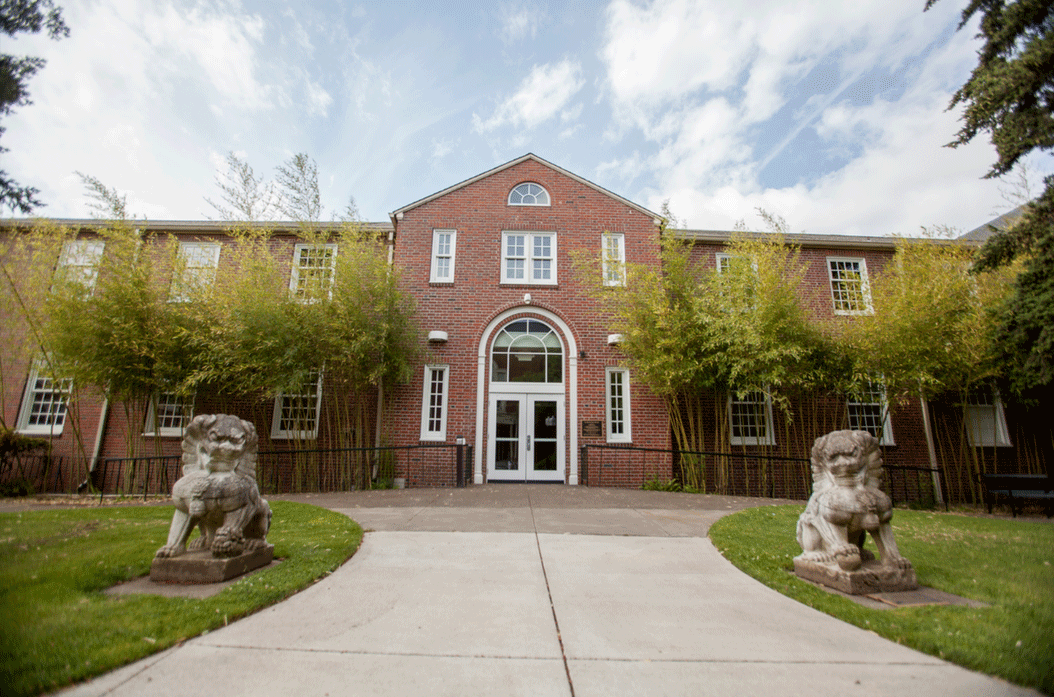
x,y
528,442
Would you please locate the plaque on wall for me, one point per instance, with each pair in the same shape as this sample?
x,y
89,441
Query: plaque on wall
x,y
592,429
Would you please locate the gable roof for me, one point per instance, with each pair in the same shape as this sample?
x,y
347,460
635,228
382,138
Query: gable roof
x,y
992,227
513,163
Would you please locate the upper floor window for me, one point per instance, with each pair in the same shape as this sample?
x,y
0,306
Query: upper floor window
x,y
195,270
750,419
527,351
79,263
614,258
312,275
849,288
528,194
528,257
444,244
44,404
985,420
869,411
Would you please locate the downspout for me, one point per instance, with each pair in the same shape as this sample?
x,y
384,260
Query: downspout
x,y
938,494
100,431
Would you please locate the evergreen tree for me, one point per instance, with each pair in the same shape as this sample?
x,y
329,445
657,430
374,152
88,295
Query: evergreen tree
x,y
1010,95
23,16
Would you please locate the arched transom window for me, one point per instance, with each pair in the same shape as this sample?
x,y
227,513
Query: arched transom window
x,y
527,350
529,194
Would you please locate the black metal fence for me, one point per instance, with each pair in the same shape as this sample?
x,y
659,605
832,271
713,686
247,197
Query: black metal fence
x,y
41,472
296,471
741,474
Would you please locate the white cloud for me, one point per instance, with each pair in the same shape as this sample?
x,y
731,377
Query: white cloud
x,y
719,95
542,95
318,99
519,22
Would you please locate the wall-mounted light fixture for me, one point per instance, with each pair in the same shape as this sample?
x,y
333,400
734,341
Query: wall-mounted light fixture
x,y
615,339
582,354
437,337
526,298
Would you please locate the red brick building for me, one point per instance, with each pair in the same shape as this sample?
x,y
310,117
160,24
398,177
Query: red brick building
x,y
519,360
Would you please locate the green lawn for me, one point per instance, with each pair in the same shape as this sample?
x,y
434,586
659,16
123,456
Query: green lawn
x,y
1007,564
56,625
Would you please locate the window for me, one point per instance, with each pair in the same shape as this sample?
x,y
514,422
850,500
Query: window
x,y
44,403
444,243
79,263
985,420
723,262
849,288
527,351
169,416
434,404
296,414
868,411
195,270
614,259
618,412
312,275
528,257
750,419
528,194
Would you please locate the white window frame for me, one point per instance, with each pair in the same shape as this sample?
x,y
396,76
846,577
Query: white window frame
x,y
294,275
441,253
516,192
992,434
613,257
280,408
617,413
528,258
165,401
190,278
867,399
433,425
770,434
722,261
837,288
38,384
81,257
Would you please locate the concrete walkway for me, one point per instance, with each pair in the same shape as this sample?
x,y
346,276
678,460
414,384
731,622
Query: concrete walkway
x,y
539,590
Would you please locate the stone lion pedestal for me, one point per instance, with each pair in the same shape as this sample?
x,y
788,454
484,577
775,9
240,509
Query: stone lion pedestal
x,y
845,505
218,494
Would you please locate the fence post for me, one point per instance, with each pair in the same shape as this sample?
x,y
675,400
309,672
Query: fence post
x,y
584,459
460,482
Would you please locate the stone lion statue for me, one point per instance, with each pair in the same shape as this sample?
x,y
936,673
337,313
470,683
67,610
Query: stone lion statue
x,y
218,491
846,503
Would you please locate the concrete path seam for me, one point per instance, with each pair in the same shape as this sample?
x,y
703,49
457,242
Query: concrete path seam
x,y
362,652
549,592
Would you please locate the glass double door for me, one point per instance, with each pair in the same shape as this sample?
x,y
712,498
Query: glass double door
x,y
526,437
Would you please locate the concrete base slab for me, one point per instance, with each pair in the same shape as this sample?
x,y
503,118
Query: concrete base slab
x,y
872,577
434,613
201,567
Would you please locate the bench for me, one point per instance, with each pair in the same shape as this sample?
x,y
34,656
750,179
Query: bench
x,y
1017,488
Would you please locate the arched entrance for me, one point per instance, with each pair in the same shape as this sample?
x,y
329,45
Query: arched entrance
x,y
527,386
526,406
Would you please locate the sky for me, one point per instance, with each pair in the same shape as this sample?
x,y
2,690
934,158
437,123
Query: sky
x,y
831,115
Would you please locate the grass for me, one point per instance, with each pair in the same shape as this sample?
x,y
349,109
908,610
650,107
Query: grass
x,y
1006,564
56,625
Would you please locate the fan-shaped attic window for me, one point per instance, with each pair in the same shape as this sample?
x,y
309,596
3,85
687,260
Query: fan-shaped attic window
x,y
529,194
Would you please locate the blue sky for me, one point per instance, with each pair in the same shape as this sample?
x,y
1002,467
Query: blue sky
x,y
832,115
